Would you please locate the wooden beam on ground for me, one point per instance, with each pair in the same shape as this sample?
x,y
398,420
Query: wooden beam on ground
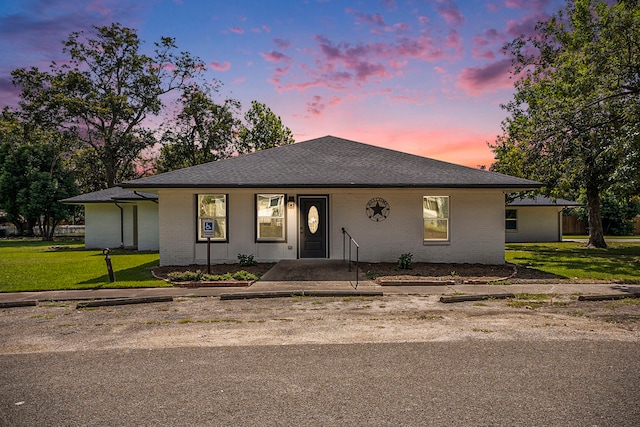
x,y
123,301
477,297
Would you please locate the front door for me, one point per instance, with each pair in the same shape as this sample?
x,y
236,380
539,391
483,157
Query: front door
x,y
313,227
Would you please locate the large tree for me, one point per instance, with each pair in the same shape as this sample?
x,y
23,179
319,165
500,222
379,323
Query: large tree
x,y
105,92
33,176
574,122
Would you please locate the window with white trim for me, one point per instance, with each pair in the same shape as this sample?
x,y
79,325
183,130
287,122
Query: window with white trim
x,y
511,219
212,208
270,217
435,215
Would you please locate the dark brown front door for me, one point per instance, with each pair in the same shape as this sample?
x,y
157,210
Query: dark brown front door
x,y
313,227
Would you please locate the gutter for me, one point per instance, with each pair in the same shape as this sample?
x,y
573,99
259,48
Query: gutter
x,y
145,197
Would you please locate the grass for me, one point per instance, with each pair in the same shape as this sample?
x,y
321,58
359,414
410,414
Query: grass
x,y
571,260
27,265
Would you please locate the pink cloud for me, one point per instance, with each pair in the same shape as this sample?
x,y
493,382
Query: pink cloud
x,y
483,43
338,66
450,12
318,104
396,65
424,20
274,56
364,18
488,78
236,30
537,5
266,28
238,80
220,67
282,43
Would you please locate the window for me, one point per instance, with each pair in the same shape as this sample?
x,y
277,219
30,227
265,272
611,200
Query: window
x,y
435,215
270,212
212,208
511,219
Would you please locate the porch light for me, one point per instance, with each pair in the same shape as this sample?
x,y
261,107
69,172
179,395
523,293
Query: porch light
x,y
291,202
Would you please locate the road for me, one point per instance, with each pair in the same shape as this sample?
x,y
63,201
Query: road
x,y
472,382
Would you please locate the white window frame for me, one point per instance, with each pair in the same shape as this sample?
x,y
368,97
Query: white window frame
x,y
437,217
220,217
268,213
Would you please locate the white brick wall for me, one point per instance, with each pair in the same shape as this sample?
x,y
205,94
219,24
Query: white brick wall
x,y
476,226
536,224
148,239
102,226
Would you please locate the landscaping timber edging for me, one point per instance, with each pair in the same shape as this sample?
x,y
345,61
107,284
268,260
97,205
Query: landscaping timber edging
x,y
298,293
11,304
606,297
123,301
417,282
214,284
477,297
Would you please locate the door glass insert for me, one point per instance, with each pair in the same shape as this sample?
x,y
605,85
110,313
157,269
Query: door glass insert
x,y
313,219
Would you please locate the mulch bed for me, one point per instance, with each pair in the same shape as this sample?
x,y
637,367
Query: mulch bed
x,y
459,273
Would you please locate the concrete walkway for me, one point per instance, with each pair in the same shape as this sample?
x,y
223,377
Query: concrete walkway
x,y
328,288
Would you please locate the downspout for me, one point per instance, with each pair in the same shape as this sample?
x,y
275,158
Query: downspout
x,y
560,216
121,225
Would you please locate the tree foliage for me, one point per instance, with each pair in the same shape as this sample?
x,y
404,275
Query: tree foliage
x,y
33,176
263,129
201,132
204,131
105,92
574,122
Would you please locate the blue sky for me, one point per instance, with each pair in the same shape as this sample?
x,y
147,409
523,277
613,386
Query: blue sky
x,y
421,76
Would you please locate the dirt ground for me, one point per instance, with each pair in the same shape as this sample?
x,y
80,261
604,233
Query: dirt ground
x,y
210,322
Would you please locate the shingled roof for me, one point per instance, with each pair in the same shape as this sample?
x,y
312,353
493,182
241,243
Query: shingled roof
x,y
330,162
540,200
114,194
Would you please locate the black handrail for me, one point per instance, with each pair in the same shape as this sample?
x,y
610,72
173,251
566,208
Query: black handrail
x,y
351,244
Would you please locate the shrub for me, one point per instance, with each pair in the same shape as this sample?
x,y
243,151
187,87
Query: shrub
x,y
185,276
244,275
199,276
246,260
405,261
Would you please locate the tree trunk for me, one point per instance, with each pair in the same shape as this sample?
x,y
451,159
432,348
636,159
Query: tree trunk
x,y
596,233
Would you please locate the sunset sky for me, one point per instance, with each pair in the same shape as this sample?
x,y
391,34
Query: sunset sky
x,y
421,76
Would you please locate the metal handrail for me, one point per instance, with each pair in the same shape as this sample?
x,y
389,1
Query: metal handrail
x,y
352,243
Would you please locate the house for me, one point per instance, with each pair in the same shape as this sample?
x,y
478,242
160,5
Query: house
x,y
536,219
294,201
119,218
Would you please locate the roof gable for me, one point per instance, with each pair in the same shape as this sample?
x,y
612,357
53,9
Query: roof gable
x,y
330,162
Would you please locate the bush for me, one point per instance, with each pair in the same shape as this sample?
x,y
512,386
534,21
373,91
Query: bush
x,y
244,275
199,276
185,276
246,260
405,261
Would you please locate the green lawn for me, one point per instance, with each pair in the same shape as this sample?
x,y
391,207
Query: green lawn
x,y
32,266
620,262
